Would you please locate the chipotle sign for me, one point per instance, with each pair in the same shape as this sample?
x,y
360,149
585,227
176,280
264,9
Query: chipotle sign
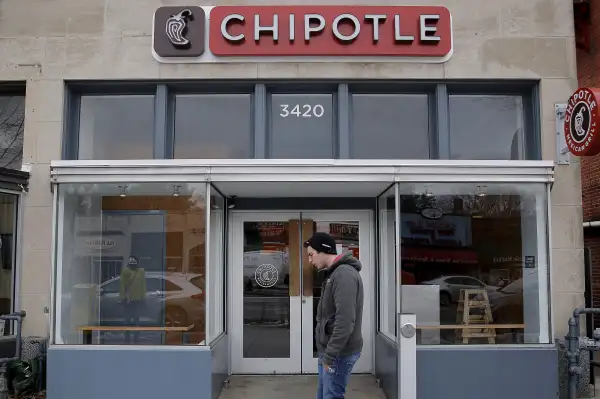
x,y
422,32
581,122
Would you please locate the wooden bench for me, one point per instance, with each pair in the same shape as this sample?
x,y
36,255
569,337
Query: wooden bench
x,y
471,326
88,330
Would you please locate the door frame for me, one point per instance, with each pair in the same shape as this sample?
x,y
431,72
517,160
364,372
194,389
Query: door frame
x,y
296,364
238,364
365,363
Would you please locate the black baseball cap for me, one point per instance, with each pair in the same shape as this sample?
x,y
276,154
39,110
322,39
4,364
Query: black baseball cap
x,y
133,260
322,242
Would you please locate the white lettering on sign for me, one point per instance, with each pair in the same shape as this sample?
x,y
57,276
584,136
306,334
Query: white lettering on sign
x,y
315,23
302,110
423,28
340,35
308,29
399,37
375,21
224,31
274,29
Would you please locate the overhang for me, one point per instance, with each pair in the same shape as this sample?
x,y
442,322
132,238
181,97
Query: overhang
x,y
288,170
14,180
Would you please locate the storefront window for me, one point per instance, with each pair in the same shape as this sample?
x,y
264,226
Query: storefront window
x,y
12,118
216,301
486,127
116,127
474,262
8,223
386,205
390,126
213,126
131,264
302,126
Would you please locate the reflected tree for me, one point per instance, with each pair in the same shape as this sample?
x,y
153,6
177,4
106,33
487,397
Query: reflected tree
x,y
464,204
12,126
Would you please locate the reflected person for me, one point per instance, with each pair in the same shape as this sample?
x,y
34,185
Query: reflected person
x,y
338,333
132,292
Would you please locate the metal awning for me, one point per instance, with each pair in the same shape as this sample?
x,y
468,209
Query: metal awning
x,y
14,180
289,170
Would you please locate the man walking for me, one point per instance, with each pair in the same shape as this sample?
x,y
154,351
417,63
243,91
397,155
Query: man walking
x,y
339,315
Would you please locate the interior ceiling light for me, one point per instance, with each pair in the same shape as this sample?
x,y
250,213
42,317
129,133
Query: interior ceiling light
x,y
231,202
481,191
176,190
123,191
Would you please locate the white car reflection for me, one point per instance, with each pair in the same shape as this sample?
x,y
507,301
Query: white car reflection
x,y
172,300
450,287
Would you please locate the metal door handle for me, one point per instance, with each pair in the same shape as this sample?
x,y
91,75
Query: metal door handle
x,y
408,330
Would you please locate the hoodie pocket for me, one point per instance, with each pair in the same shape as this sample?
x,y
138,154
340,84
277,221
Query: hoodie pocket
x,y
326,331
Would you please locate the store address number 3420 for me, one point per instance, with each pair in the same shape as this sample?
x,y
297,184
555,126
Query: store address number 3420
x,y
301,110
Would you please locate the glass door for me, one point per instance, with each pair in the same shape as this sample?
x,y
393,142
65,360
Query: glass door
x,y
275,290
352,233
265,291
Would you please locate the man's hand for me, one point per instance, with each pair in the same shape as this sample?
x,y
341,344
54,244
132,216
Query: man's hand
x,y
327,368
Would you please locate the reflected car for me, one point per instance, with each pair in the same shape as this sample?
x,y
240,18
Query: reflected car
x,y
450,287
172,300
507,302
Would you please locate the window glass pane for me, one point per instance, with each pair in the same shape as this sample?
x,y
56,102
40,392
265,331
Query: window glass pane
x,y
8,215
387,256
12,117
213,126
216,288
486,127
390,126
116,127
118,269
484,243
302,126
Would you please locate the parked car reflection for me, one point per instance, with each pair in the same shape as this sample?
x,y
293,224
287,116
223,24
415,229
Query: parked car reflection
x,y
450,287
172,300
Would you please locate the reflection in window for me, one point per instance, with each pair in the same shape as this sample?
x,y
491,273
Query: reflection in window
x,y
213,126
387,255
12,118
8,215
390,126
266,288
486,127
477,261
115,281
217,261
116,127
302,126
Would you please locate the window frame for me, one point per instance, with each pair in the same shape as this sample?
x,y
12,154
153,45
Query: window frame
x,y
543,253
438,91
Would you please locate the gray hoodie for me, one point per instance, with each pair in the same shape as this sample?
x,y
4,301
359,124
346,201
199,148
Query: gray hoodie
x,y
339,314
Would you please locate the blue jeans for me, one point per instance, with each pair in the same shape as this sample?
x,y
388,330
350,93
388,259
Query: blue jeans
x,y
332,383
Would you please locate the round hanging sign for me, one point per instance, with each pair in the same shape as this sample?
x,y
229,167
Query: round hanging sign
x,y
266,275
581,122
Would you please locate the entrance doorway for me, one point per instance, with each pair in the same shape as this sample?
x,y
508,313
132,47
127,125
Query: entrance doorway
x,y
275,291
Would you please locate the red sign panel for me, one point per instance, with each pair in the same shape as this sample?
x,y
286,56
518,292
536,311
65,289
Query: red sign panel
x,y
581,122
400,31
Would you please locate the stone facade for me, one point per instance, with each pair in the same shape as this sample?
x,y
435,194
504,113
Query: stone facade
x,y
46,43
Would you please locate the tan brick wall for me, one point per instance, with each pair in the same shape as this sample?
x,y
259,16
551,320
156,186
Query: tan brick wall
x,y
110,39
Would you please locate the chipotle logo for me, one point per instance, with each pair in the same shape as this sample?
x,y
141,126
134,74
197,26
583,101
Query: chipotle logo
x,y
179,32
581,122
422,32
